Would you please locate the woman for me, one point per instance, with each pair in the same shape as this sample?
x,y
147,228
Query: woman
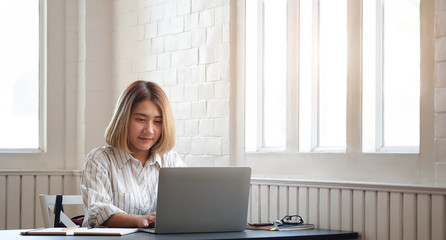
x,y
119,182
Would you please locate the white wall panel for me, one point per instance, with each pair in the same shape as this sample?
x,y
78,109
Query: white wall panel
x,y
13,202
27,199
19,195
382,212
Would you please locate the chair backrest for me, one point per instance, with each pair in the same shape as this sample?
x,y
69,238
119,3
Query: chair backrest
x,y
48,202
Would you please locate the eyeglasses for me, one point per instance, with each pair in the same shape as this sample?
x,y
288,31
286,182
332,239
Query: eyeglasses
x,y
291,220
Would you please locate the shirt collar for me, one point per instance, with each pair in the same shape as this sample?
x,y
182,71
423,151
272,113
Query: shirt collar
x,y
155,158
124,157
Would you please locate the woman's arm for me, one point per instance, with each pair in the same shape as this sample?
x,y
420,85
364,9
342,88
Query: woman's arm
x,y
124,220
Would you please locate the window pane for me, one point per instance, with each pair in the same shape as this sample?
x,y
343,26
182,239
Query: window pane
x,y
333,73
401,70
274,73
19,84
391,74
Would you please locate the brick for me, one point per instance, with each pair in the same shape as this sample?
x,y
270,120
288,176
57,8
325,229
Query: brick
x,y
198,74
177,93
182,110
440,73
213,35
158,45
156,12
440,100
198,5
170,43
183,7
170,9
222,89
156,76
170,77
143,16
206,54
149,3
440,126
179,127
150,63
215,72
222,15
213,146
150,30
138,49
220,108
215,3
163,61
199,161
206,91
225,147
198,38
183,145
164,27
221,53
222,128
176,25
191,92
222,161
225,33
184,40
199,109
191,128
198,146
185,58
206,18
183,75
440,49
206,128
191,22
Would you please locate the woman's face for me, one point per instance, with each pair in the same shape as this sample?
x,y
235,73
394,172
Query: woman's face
x,y
145,128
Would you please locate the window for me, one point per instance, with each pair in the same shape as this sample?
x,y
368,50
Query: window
x,y
305,61
21,81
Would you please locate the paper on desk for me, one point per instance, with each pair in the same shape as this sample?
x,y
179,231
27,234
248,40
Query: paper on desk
x,y
81,231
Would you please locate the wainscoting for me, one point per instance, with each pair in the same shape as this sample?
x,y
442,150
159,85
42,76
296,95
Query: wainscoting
x,y
376,211
19,195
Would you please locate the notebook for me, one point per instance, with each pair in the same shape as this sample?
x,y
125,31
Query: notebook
x,y
202,199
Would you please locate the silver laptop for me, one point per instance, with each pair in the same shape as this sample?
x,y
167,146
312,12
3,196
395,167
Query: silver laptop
x,y
202,199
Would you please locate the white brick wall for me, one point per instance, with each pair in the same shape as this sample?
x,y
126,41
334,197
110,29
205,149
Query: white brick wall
x,y
184,46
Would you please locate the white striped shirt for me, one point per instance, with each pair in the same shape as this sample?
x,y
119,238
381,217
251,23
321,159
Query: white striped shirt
x,y
113,181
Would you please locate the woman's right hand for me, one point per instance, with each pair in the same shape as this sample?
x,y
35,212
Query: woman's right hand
x,y
145,221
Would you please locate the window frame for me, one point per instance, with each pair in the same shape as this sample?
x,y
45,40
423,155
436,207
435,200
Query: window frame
x,y
291,156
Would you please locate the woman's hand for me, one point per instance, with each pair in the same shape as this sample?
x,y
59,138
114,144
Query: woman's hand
x,y
123,220
147,220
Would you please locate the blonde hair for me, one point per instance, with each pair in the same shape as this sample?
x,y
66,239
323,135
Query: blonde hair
x,y
116,133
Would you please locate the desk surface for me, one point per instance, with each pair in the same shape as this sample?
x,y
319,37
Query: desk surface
x,y
247,234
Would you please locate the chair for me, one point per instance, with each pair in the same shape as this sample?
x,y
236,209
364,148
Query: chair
x,y
48,202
